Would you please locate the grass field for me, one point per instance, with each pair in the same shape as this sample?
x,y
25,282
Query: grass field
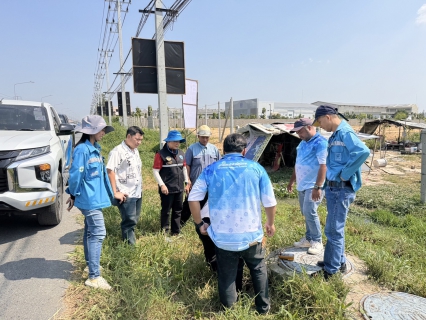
x,y
157,279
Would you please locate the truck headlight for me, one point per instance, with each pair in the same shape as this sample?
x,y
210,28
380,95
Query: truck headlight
x,y
29,153
43,172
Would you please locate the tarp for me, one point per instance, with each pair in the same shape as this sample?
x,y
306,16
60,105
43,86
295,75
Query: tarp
x,y
370,127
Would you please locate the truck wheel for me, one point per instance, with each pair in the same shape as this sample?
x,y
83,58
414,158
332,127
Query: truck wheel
x,y
52,215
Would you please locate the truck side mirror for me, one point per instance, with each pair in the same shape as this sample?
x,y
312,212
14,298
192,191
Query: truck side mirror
x,y
65,129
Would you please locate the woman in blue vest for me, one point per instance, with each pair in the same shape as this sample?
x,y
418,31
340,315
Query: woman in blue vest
x,y
90,191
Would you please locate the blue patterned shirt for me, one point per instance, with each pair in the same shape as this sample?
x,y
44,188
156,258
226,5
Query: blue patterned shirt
x,y
310,154
237,186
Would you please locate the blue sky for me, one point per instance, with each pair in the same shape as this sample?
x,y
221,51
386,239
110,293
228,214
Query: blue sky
x,y
366,51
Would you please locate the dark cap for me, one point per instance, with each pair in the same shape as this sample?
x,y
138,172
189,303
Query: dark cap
x,y
299,124
324,110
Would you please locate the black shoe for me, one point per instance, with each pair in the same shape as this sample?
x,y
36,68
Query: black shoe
x,y
343,267
328,275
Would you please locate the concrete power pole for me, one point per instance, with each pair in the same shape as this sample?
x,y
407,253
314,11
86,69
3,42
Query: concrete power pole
x,y
231,110
107,83
161,72
205,111
218,112
123,87
423,177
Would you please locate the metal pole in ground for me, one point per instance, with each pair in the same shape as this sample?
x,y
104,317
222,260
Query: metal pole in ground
x,y
423,180
120,47
218,112
161,72
231,108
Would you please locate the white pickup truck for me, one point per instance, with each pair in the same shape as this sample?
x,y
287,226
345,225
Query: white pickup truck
x,y
34,160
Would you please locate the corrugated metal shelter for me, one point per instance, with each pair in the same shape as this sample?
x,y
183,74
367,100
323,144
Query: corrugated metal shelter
x,y
272,145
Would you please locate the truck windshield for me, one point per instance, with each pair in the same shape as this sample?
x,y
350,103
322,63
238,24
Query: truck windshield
x,y
19,118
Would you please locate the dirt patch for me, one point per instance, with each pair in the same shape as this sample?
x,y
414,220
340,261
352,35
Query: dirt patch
x,y
397,164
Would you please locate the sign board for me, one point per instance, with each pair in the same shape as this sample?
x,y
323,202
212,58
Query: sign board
x,y
190,103
144,54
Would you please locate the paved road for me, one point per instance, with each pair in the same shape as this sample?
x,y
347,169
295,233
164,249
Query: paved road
x,y
34,265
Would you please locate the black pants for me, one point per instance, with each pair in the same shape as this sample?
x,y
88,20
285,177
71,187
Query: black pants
x,y
209,247
186,213
171,201
229,275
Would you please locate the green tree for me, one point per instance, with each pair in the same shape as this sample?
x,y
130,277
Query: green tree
x,y
263,116
361,116
149,111
400,115
138,112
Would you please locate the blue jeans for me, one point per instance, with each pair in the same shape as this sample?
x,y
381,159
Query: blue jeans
x,y
338,202
130,211
94,235
229,275
309,211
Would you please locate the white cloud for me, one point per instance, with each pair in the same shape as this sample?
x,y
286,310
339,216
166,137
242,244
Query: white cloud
x,y
421,15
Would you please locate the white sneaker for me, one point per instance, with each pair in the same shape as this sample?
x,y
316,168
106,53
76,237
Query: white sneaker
x,y
98,283
316,247
303,243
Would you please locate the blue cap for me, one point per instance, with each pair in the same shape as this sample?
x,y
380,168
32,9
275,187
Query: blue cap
x,y
174,135
324,110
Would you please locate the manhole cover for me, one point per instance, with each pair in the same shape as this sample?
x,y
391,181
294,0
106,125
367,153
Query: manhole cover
x,y
302,260
393,305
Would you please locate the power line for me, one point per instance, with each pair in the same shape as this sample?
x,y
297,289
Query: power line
x,y
171,15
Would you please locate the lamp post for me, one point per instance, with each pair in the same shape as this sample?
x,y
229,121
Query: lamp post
x,y
14,87
46,97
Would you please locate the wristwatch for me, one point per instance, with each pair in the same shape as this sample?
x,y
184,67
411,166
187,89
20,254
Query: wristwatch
x,y
317,187
198,225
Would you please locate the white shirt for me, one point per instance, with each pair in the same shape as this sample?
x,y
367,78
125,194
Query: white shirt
x,y
127,165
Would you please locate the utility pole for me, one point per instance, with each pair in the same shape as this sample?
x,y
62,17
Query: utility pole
x,y
107,84
231,109
120,40
161,72
423,166
205,111
218,112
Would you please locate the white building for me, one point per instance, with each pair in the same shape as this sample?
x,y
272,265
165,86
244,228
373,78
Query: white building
x,y
254,107
378,111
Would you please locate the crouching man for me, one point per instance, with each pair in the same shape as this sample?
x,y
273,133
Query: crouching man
x,y
236,187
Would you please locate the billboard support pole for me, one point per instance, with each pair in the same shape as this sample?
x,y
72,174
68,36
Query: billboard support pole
x,y
161,72
123,88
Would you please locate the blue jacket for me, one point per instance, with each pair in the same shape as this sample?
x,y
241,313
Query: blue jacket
x,y
88,180
346,154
